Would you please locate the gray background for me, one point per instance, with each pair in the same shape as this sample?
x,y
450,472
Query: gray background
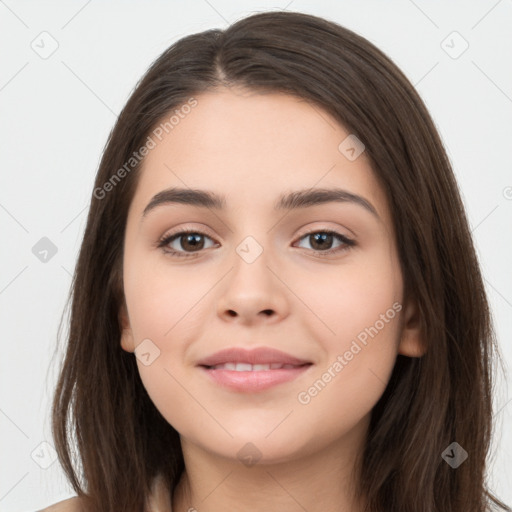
x,y
58,109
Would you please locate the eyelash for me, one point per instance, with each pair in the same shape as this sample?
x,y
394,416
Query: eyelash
x,y
167,239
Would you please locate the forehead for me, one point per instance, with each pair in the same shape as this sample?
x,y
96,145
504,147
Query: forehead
x,y
251,147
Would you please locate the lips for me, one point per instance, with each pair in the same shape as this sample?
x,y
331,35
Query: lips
x,y
259,359
246,367
252,371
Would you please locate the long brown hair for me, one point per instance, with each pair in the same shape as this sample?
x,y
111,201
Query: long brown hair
x,y
100,403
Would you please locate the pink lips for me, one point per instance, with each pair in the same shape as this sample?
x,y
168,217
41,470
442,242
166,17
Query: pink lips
x,y
262,355
255,380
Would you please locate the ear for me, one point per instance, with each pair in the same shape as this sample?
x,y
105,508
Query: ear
x,y
412,343
127,341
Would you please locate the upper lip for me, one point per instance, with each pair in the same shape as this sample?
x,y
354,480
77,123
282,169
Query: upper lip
x,y
262,355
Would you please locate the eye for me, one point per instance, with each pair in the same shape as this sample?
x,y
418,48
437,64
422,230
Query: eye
x,y
187,239
323,239
189,243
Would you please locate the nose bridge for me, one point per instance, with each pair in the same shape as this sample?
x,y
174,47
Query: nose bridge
x,y
253,243
251,262
251,288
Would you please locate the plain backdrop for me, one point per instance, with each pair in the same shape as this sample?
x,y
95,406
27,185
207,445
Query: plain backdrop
x,y
67,68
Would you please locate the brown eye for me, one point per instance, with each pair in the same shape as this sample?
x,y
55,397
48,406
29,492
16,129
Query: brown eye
x,y
191,241
184,243
321,241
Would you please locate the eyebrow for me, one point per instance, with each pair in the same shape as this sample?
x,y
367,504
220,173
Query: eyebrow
x,y
291,201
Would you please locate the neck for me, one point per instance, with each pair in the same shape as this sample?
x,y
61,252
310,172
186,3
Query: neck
x,y
323,480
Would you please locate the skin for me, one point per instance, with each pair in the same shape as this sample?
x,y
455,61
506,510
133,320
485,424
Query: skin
x,y
252,148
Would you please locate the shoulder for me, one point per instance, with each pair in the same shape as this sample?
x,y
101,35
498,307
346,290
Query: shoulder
x,y
159,500
69,505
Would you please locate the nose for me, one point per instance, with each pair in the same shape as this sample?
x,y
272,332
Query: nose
x,y
252,293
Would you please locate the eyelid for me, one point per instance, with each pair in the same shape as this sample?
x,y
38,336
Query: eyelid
x,y
302,231
175,234
324,228
186,227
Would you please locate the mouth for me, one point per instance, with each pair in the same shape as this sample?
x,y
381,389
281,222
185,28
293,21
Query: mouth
x,y
250,371
248,367
251,378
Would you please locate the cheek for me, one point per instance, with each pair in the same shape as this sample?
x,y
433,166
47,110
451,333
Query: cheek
x,y
164,305
162,300
169,391
346,300
356,320
359,357
360,354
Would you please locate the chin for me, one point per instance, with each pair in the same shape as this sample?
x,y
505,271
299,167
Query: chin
x,y
251,447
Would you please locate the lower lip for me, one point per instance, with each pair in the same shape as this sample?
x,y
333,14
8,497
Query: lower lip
x,y
254,381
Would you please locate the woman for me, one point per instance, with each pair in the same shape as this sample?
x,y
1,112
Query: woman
x,y
277,302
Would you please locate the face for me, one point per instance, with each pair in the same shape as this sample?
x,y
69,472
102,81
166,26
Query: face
x,y
320,282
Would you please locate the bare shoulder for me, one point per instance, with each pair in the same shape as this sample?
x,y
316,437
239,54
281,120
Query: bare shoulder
x,y
69,505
